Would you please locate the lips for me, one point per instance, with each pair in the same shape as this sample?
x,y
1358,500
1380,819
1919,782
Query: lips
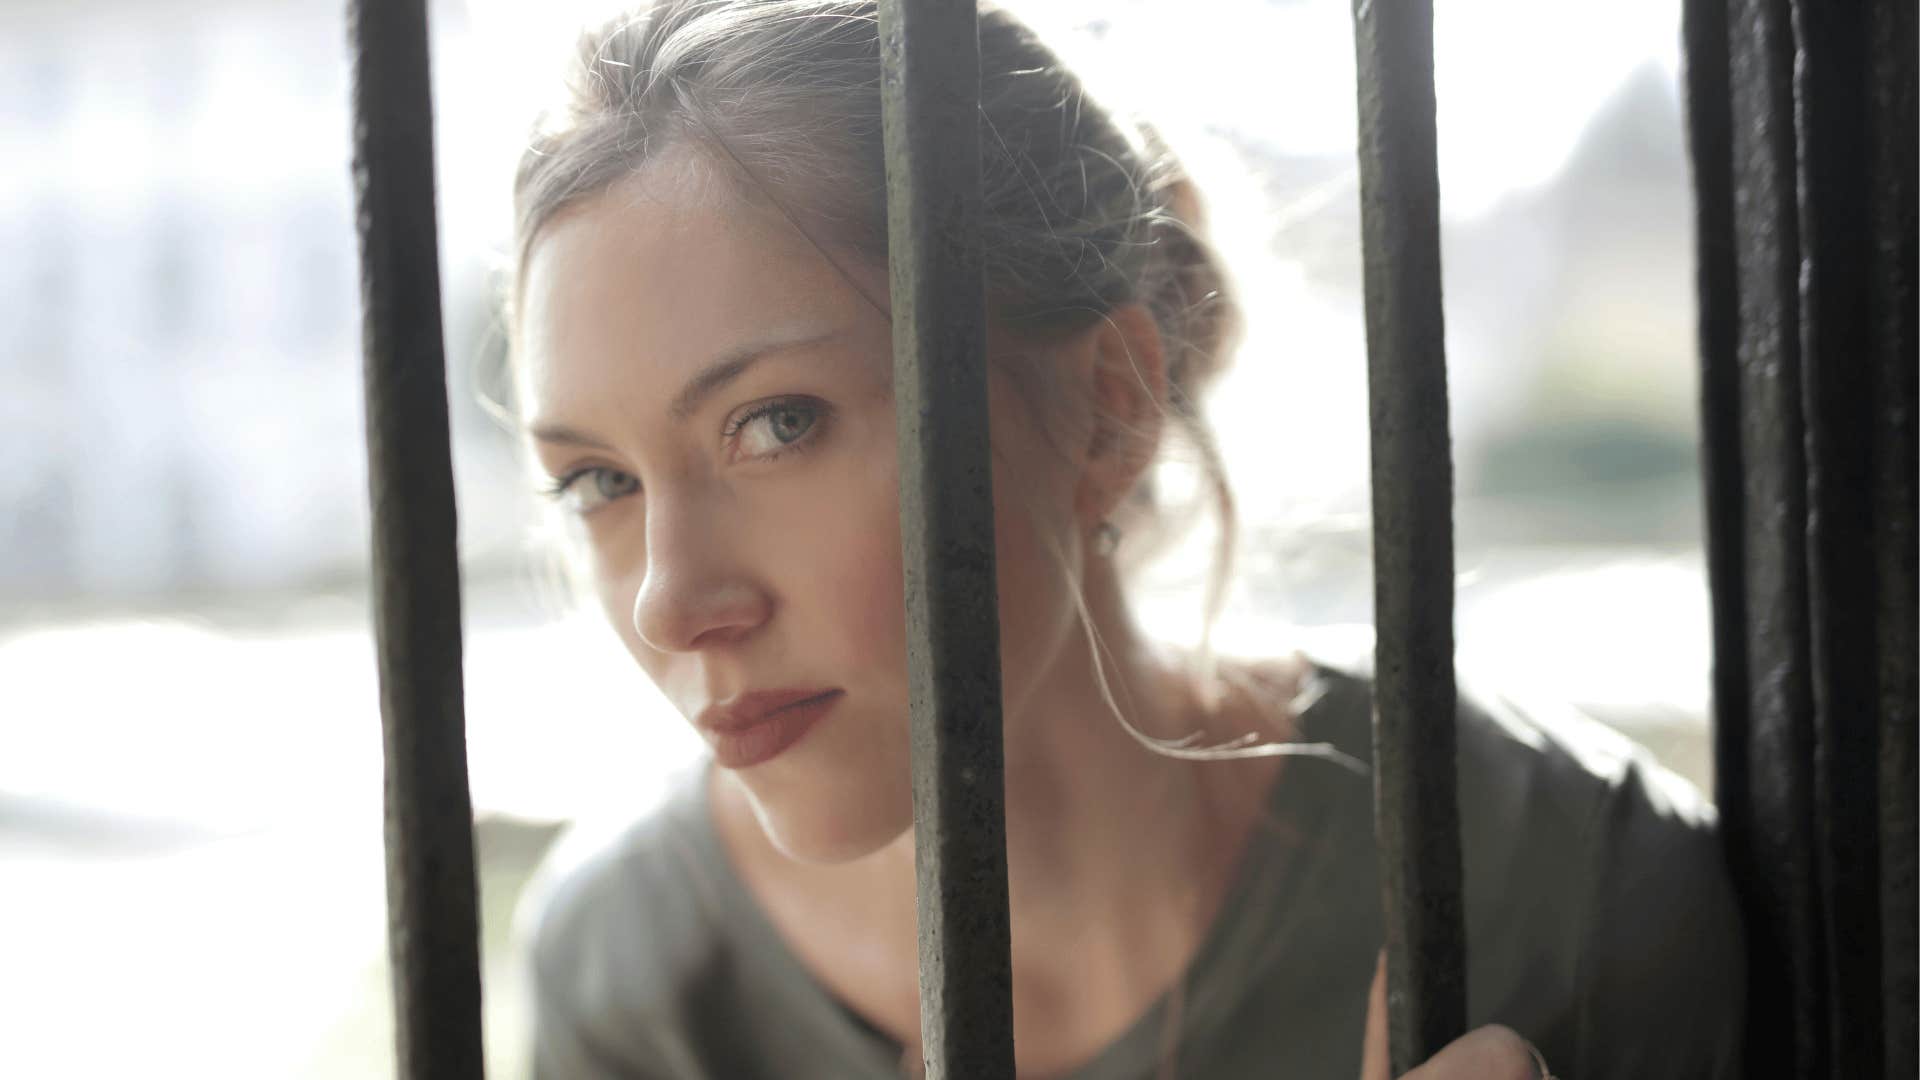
x,y
759,726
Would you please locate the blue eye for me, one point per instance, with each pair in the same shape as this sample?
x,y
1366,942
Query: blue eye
x,y
787,424
771,428
586,490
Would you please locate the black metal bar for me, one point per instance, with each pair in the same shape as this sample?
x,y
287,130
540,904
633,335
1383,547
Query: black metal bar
x,y
1417,816
1710,134
1896,451
930,93
1803,158
1834,125
1787,962
1711,122
1710,143
433,920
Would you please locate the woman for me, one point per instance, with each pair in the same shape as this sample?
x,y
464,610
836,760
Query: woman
x,y
702,340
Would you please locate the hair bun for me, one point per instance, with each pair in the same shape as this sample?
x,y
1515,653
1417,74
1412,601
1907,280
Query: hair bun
x,y
1188,287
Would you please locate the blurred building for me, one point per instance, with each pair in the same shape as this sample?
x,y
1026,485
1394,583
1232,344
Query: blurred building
x,y
194,799
179,330
179,320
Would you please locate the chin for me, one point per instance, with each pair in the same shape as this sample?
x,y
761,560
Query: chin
x,y
837,827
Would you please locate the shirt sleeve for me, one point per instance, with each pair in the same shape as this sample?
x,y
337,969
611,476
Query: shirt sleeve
x,y
583,1027
1602,919
1662,986
571,1042
563,1049
610,942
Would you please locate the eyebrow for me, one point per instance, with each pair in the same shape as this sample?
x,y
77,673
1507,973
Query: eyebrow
x,y
564,435
703,385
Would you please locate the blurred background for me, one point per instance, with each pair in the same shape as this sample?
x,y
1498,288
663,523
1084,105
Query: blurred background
x,y
190,843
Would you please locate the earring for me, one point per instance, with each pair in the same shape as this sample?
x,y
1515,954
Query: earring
x,y
1106,539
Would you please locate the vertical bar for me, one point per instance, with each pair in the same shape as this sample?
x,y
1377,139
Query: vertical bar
x,y
1896,453
1415,700
930,87
1710,124
1710,145
1812,129
1787,969
433,921
1834,126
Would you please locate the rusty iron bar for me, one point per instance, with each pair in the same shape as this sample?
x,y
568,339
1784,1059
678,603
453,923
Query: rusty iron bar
x,y
433,917
1892,352
930,88
1415,804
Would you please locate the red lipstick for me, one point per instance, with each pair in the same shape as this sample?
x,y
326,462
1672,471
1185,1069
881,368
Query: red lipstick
x,y
759,726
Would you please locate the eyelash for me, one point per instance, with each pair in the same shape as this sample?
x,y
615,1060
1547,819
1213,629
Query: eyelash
x,y
558,488
820,411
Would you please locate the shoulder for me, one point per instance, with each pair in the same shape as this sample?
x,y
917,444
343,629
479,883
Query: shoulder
x,y
1601,921
1544,787
1656,934
604,883
620,932
1583,849
1514,750
1574,785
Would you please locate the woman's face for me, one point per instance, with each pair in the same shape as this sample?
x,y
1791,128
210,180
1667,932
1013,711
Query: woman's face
x,y
713,400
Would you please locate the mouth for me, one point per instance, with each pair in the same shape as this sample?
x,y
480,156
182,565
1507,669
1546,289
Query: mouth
x,y
758,727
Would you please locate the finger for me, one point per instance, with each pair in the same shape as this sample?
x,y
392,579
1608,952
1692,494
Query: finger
x,y
1493,1052
1373,1048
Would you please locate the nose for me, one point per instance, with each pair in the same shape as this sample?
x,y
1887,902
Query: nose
x,y
697,591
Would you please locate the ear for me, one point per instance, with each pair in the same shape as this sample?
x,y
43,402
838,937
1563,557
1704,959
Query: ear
x,y
1126,367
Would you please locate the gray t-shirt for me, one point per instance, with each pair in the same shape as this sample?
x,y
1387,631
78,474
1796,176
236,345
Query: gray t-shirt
x,y
1600,925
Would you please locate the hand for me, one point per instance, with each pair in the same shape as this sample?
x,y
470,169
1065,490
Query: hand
x,y
1493,1052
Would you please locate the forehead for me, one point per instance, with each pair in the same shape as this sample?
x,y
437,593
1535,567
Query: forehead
x,y
634,289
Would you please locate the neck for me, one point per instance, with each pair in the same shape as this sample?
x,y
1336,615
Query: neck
x,y
1098,825
1117,856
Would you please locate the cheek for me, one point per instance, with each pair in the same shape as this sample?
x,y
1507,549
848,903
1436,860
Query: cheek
x,y
1033,499
854,572
852,566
